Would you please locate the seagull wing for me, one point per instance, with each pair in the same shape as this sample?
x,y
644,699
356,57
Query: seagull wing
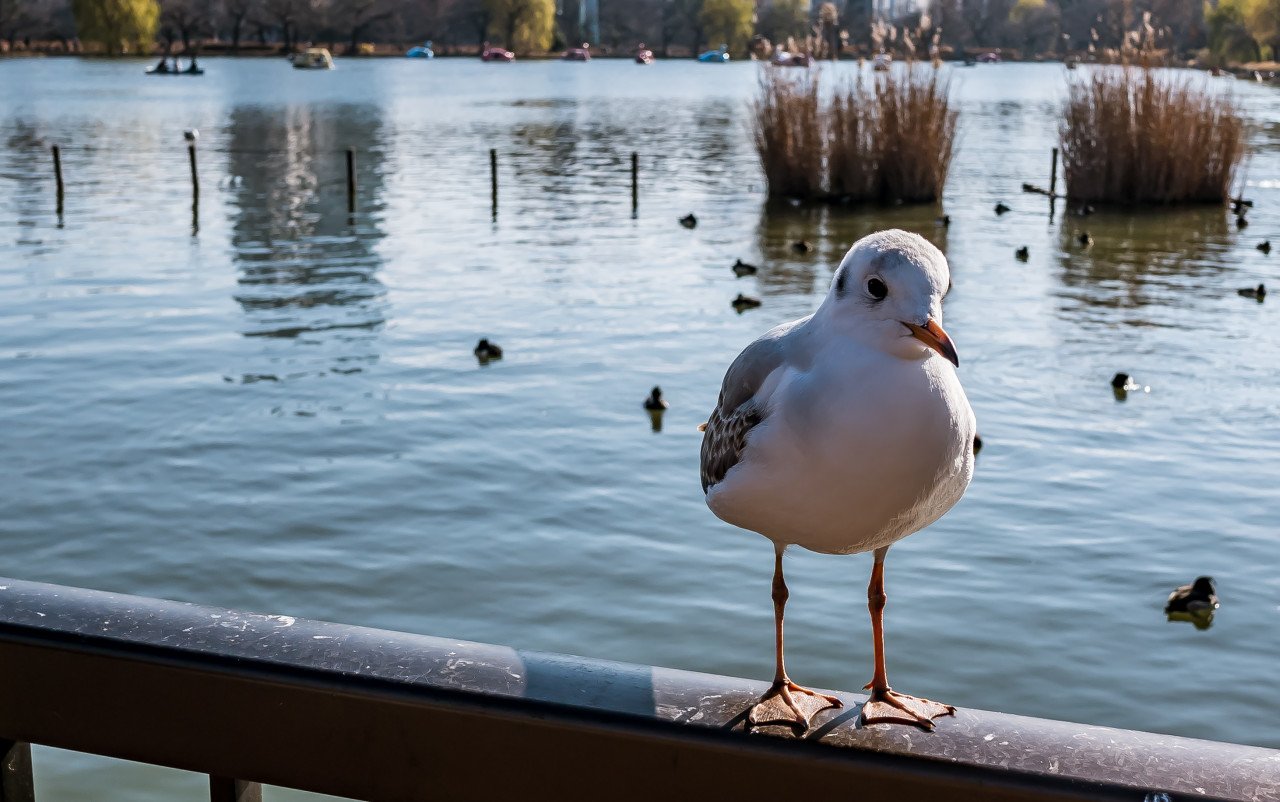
x,y
741,405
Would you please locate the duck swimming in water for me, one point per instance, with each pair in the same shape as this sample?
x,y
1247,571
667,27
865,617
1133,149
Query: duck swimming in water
x,y
1200,596
1265,246
655,402
743,302
1023,253
1259,292
741,268
486,351
1084,239
801,246
1001,208
689,221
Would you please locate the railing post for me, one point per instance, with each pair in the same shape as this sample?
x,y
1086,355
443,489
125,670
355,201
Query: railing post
x,y
493,180
1053,175
635,181
16,782
225,789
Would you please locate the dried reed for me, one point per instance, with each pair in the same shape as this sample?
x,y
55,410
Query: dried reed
x,y
888,139
789,133
1132,136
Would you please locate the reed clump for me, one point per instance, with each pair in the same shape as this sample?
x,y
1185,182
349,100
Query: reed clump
x,y
887,139
1131,135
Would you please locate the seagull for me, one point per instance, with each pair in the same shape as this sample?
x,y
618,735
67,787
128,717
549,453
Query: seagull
x,y
844,432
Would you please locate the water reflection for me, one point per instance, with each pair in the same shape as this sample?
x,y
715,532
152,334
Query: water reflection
x,y
1133,260
308,270
831,230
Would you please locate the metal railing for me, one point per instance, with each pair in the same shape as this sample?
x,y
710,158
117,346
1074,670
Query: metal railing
x,y
373,714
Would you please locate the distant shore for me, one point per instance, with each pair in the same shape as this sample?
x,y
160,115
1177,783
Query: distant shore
x,y
1269,70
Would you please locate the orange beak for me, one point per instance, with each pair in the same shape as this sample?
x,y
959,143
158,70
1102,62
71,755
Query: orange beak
x,y
932,335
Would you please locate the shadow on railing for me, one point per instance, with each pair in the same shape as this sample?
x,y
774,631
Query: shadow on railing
x,y
373,714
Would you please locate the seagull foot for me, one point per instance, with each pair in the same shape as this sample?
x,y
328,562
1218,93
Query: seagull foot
x,y
788,703
887,707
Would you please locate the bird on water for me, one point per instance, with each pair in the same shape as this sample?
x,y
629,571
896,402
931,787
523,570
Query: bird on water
x,y
844,432
655,402
741,268
486,351
689,221
1200,596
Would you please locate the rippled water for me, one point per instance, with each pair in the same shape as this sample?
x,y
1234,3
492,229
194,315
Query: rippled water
x,y
275,407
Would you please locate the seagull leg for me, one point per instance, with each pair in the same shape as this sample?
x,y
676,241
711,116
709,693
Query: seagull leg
x,y
886,705
786,702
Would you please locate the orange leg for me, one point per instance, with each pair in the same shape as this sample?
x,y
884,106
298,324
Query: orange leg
x,y
885,705
786,702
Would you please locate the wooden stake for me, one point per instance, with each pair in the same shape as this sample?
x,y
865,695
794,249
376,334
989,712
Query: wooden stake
x,y
351,180
635,180
57,174
493,178
1053,175
195,178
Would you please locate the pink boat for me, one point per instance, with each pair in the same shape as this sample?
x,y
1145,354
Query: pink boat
x,y
577,53
783,58
644,55
488,53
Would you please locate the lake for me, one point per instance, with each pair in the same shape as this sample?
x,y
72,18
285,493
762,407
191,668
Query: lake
x,y
273,406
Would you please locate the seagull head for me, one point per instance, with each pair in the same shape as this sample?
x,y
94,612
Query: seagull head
x,y
888,293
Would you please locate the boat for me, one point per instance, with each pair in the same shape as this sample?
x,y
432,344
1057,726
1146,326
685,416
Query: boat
x,y
488,53
577,53
785,58
881,62
313,58
421,51
989,58
719,56
644,55
164,68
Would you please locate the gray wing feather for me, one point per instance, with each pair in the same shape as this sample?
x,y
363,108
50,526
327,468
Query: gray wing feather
x,y
738,409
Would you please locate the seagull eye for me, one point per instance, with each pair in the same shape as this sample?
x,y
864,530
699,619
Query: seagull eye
x,y
877,289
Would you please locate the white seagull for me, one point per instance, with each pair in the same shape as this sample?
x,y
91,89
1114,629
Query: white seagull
x,y
844,432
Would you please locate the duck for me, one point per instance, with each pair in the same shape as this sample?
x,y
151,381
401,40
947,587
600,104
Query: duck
x,y
1200,596
744,302
655,402
1023,253
1265,246
1259,292
689,221
1084,239
1001,208
741,268
1123,381
801,246
1241,222
486,351
944,221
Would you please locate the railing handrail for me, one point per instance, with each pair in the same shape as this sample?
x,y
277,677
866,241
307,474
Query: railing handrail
x,y
375,714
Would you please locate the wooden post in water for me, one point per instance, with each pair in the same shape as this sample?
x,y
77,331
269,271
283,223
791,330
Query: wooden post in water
x,y
493,178
195,178
351,180
635,181
1053,175
57,174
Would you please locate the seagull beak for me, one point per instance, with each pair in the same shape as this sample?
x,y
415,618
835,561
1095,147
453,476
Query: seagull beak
x,y
932,335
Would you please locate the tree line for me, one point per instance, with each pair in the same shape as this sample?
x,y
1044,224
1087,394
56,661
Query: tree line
x,y
1218,30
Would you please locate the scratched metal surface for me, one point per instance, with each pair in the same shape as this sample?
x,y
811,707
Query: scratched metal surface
x,y
155,629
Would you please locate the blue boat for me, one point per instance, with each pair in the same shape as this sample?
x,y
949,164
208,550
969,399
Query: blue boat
x,y
421,51
715,56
